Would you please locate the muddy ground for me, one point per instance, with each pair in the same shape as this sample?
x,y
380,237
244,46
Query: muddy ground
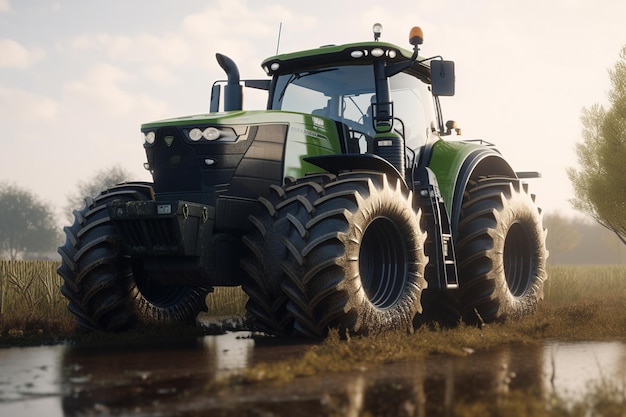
x,y
197,377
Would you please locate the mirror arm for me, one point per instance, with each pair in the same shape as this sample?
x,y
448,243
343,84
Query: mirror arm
x,y
430,59
394,69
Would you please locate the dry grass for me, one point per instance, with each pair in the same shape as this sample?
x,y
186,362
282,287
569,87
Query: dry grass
x,y
32,308
569,284
227,301
30,289
581,303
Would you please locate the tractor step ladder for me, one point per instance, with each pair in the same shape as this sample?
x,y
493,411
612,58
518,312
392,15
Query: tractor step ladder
x,y
436,221
446,245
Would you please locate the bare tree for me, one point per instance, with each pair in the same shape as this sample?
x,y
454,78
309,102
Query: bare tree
x,y
93,186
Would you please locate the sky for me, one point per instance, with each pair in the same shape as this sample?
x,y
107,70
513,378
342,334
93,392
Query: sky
x,y
78,77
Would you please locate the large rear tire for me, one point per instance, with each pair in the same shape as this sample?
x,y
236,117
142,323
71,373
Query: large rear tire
x,y
501,251
267,303
98,277
357,264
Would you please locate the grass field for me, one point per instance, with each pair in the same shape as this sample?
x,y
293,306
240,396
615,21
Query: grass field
x,y
30,300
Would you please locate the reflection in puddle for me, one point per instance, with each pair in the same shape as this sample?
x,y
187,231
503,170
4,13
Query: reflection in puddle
x,y
229,353
174,379
571,367
30,381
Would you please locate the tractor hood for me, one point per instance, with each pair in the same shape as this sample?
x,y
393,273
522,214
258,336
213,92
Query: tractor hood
x,y
239,153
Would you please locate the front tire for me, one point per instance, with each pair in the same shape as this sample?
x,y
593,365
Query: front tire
x,y
99,283
358,264
501,251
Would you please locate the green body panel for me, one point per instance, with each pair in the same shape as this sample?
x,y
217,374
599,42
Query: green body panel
x,y
307,135
447,161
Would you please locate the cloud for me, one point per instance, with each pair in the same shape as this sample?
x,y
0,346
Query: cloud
x,y
5,6
21,106
101,89
15,55
254,36
167,48
168,56
160,75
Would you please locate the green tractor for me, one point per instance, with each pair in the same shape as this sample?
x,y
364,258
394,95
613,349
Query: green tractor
x,y
339,206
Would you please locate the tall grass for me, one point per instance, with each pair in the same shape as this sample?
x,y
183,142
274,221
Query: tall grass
x,y
227,301
569,284
30,293
30,289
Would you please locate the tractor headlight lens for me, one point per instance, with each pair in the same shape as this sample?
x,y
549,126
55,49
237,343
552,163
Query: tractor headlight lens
x,y
378,52
195,134
149,137
210,133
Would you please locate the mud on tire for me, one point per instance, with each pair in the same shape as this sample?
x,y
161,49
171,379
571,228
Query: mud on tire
x,y
98,278
358,263
267,303
501,251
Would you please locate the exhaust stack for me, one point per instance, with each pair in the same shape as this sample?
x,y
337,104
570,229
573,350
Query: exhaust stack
x,y
233,92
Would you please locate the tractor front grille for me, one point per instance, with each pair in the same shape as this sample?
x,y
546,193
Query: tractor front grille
x,y
150,235
151,228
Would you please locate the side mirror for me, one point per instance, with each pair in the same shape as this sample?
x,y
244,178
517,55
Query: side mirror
x,y
442,77
216,91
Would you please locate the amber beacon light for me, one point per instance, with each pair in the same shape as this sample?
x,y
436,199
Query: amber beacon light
x,y
416,36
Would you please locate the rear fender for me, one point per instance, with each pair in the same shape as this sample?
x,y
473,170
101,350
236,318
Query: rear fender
x,y
455,164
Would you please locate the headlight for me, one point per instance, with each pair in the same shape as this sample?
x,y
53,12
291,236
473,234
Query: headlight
x,y
210,133
195,134
149,137
223,134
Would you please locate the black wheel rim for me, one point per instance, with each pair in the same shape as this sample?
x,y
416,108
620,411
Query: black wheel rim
x,y
162,296
518,260
383,263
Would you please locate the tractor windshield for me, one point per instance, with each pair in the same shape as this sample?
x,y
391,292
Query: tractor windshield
x,y
346,93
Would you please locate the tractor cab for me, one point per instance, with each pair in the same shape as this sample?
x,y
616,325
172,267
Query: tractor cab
x,y
371,87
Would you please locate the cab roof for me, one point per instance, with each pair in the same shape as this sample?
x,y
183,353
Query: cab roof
x,y
362,53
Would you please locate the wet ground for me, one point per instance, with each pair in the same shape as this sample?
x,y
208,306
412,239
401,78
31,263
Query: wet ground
x,y
177,379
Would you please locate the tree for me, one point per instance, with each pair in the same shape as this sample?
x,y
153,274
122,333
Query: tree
x,y
600,184
101,180
563,234
26,223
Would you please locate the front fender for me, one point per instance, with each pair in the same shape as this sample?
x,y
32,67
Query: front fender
x,y
355,162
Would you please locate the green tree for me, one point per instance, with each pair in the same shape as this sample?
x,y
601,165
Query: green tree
x,y
600,184
100,181
27,225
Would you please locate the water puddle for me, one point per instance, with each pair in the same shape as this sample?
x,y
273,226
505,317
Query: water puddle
x,y
570,368
174,379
